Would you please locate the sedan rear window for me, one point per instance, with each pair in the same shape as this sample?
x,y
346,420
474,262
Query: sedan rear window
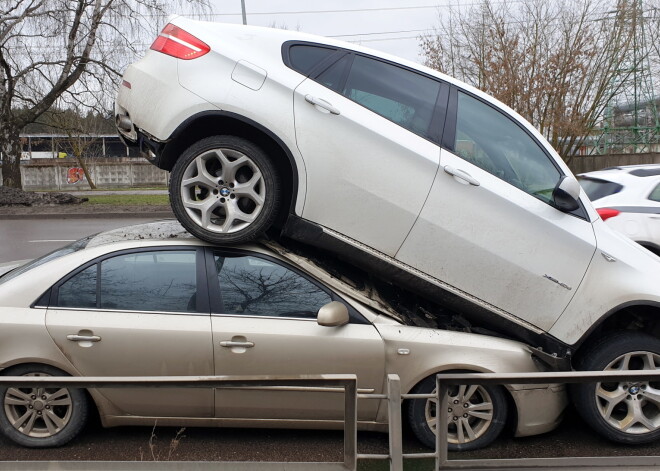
x,y
596,188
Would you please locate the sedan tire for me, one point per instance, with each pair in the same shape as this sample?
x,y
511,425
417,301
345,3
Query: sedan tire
x,y
225,190
625,412
38,417
476,414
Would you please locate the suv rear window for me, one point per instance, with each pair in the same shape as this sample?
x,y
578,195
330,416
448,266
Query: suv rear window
x,y
655,194
303,58
596,189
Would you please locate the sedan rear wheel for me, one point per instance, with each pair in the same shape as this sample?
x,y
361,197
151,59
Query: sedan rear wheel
x,y
224,189
627,411
476,415
41,417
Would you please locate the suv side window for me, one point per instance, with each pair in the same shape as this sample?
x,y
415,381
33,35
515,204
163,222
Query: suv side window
x,y
254,286
400,95
655,194
494,142
303,58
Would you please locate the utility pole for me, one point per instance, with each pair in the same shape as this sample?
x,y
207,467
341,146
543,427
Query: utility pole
x,y
243,11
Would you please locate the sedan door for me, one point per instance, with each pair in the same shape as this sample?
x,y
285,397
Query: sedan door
x,y
264,323
368,132
139,313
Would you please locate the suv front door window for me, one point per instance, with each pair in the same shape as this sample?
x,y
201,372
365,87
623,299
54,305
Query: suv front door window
x,y
490,220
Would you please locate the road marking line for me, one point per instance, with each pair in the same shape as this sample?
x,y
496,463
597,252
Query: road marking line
x,y
53,240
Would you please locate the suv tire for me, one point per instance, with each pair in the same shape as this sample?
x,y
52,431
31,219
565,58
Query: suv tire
x,y
624,412
225,190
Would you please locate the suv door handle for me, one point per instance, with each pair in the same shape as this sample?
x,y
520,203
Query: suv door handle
x,y
232,343
83,338
461,174
321,104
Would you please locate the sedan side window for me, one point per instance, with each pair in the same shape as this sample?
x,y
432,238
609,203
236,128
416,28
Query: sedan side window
x,y
492,141
79,291
400,95
655,194
257,287
149,281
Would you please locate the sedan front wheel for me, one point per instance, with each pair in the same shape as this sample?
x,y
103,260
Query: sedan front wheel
x,y
476,415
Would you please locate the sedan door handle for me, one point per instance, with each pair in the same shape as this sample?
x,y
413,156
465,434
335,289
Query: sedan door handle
x,y
461,174
83,338
232,343
321,104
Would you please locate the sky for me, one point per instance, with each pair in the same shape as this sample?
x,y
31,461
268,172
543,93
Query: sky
x,y
391,26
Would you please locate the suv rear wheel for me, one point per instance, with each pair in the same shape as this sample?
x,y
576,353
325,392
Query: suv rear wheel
x,y
225,190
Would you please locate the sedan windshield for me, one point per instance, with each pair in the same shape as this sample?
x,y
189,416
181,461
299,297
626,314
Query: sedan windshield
x,y
61,252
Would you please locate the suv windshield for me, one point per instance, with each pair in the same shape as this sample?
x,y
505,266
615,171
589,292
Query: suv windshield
x,y
61,252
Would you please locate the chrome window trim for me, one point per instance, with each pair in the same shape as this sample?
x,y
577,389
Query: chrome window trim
x,y
253,316
86,309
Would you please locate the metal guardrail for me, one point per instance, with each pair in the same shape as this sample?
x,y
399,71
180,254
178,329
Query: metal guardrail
x,y
444,381
348,385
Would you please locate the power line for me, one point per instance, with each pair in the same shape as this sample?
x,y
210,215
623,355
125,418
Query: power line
x,y
382,32
347,10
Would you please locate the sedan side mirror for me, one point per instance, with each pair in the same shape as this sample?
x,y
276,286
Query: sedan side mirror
x,y
333,314
566,194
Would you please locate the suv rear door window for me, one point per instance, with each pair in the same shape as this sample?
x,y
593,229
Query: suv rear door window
x,y
303,58
400,95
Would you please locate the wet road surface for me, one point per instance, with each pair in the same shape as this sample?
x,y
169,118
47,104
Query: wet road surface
x,y
572,438
31,238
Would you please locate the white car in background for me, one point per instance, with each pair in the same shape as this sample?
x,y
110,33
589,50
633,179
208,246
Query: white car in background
x,y
628,200
415,177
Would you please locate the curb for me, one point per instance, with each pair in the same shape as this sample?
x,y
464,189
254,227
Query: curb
x,y
108,215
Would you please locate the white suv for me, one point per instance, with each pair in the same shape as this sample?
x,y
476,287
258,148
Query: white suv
x,y
408,173
628,199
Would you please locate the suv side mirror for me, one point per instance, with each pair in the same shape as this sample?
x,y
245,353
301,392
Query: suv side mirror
x,y
566,194
333,314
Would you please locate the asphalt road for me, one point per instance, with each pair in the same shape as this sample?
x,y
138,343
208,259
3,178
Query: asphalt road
x,y
31,238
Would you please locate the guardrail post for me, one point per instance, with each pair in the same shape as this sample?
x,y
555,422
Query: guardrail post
x,y
441,429
350,425
394,420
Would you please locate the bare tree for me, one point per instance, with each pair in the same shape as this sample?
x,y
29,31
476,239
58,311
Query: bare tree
x,y
65,52
553,61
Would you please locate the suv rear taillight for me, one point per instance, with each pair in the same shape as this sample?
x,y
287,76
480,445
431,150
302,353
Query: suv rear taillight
x,y
178,43
606,213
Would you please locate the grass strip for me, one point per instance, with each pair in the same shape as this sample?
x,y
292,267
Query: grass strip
x,y
125,200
